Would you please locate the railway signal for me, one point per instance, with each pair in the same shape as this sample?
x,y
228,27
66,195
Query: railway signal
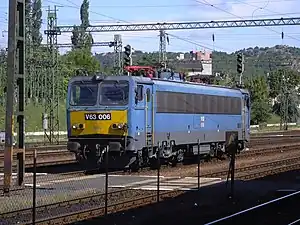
x,y
240,66
240,63
128,54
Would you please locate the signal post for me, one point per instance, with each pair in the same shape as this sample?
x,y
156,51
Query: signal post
x,y
15,74
240,67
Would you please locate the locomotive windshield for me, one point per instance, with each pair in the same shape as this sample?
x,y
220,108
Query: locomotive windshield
x,y
114,92
83,94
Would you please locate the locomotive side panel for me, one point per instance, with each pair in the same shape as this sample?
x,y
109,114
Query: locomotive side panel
x,y
186,113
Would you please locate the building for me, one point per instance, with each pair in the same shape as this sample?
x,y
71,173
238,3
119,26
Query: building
x,y
205,74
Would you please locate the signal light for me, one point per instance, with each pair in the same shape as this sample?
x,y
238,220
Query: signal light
x,y
240,63
127,57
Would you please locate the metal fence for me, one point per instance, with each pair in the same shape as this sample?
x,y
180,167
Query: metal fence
x,y
66,195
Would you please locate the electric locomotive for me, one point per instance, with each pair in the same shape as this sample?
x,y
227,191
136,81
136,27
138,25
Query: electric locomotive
x,y
131,115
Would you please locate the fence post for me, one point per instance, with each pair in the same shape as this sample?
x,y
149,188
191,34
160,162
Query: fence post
x,y
198,164
106,178
34,188
158,168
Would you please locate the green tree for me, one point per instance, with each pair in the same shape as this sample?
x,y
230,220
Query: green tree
x,y
75,37
283,83
287,103
80,37
28,10
77,60
36,23
279,77
84,14
260,107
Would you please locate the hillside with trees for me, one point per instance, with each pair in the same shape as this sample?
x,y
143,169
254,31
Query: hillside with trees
x,y
258,61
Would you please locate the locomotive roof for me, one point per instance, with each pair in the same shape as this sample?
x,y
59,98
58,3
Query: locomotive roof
x,y
153,81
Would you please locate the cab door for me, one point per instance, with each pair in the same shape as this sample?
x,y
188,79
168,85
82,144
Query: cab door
x,y
149,116
144,113
245,116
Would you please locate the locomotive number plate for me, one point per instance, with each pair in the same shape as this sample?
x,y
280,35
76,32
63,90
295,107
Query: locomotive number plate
x,y
97,116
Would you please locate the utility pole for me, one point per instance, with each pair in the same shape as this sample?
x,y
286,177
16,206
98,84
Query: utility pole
x,y
52,81
163,48
15,73
284,101
118,54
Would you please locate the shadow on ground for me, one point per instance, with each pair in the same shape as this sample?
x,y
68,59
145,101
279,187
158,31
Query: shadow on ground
x,y
209,203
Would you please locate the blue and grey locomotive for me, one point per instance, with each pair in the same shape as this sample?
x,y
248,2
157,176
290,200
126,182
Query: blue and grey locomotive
x,y
133,114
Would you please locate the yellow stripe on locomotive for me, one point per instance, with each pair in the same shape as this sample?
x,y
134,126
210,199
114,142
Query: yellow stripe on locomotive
x,y
101,123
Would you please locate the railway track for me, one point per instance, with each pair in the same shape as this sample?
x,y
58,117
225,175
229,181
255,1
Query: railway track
x,y
282,132
272,141
123,199
257,169
267,151
54,158
45,157
31,145
145,171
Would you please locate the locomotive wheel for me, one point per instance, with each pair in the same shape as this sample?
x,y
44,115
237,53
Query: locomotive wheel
x,y
173,161
135,167
153,164
220,155
180,156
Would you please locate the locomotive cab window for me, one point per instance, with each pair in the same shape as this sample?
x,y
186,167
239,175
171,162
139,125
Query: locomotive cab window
x,y
139,92
83,94
148,95
114,92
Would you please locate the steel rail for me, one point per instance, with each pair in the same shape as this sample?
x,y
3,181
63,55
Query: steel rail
x,y
44,152
253,208
39,149
266,151
276,170
294,222
255,166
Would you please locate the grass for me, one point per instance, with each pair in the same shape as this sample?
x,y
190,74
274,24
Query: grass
x,y
272,129
274,119
33,117
37,139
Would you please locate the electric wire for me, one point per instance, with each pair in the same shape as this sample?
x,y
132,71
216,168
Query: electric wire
x,y
204,2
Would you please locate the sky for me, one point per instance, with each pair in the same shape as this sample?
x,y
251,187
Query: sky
x,y
146,11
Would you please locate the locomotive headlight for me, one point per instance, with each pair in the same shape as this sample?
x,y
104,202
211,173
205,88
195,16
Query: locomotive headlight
x,y
119,126
81,126
78,126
